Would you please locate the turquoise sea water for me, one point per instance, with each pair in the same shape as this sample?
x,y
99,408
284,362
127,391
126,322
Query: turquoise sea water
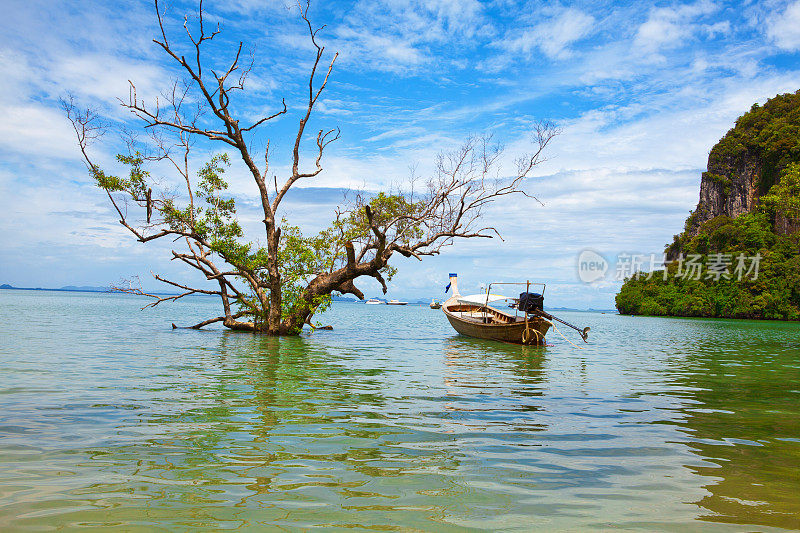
x,y
110,419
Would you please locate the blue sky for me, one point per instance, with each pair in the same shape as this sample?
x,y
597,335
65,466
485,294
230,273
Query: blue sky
x,y
641,93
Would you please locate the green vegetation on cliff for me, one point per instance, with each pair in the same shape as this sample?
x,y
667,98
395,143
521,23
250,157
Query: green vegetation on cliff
x,y
774,294
770,134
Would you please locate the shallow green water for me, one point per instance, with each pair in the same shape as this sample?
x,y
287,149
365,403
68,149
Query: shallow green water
x,y
108,418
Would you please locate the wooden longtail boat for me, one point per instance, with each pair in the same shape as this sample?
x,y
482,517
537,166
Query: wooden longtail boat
x,y
472,316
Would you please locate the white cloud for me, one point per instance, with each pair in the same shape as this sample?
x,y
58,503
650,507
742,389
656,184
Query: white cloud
x,y
387,52
722,27
401,35
35,130
552,36
784,28
661,29
672,130
103,78
671,26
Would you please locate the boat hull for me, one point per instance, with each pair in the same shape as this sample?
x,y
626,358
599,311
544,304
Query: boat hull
x,y
475,321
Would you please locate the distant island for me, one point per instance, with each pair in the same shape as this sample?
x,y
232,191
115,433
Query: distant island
x,y
90,288
67,288
335,298
739,253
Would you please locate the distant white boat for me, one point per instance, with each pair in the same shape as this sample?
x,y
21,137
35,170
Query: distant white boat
x,y
373,301
396,302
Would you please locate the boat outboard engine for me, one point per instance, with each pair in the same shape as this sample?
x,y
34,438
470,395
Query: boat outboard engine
x,y
530,302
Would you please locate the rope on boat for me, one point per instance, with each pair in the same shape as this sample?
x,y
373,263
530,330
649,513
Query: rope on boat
x,y
566,339
526,336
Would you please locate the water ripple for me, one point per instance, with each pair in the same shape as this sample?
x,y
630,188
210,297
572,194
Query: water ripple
x,y
658,424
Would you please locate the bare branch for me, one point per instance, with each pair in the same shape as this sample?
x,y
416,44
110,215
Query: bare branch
x,y
201,105
159,298
213,320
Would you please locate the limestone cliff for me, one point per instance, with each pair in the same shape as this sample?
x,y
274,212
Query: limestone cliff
x,y
729,187
745,163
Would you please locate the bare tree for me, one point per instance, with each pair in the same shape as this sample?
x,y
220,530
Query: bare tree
x,y
276,288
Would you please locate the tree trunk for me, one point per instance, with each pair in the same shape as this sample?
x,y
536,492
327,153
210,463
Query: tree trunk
x,y
293,325
275,301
